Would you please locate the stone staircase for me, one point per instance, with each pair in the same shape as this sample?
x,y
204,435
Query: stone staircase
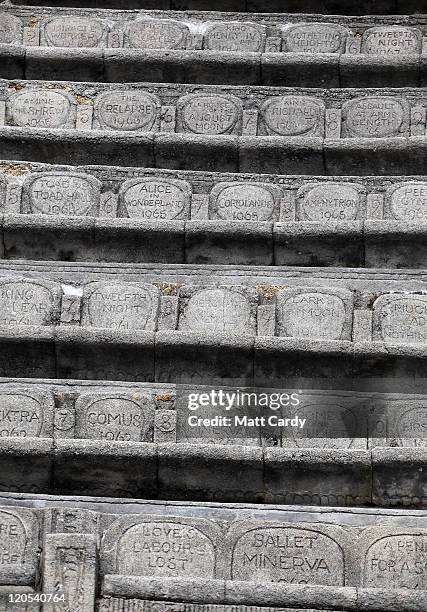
x,y
198,195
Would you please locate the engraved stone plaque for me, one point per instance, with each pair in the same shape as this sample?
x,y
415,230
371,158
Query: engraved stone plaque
x,y
28,302
235,36
392,41
244,202
411,427
10,30
19,535
209,114
124,306
288,554
397,561
156,546
401,318
315,38
375,117
220,309
294,116
41,108
153,199
314,313
330,202
407,202
131,110
61,194
25,415
73,31
119,417
156,34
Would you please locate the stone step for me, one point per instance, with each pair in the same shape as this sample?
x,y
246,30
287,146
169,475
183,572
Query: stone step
x,y
336,7
88,410
123,214
223,48
235,555
384,477
343,131
309,335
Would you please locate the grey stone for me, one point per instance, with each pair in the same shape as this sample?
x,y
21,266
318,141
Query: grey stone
x,y
61,194
115,416
155,34
400,318
331,202
406,202
399,474
235,36
25,413
314,38
315,313
121,306
155,199
28,302
375,117
127,110
19,536
209,114
41,108
293,116
244,202
301,69
73,31
391,40
10,29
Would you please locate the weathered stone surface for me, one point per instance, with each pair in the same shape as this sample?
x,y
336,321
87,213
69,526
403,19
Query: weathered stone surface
x,y
235,36
61,194
244,202
156,34
218,310
127,110
293,116
121,306
275,552
209,114
26,414
331,202
407,202
375,117
315,313
161,546
400,318
391,41
73,31
10,29
41,108
394,559
19,530
155,199
115,416
314,38
28,302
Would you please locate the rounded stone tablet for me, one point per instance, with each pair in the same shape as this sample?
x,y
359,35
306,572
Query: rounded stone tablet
x,y
392,40
289,555
397,561
235,36
27,302
375,117
244,202
294,116
327,426
72,31
412,428
156,34
127,110
61,193
123,306
407,202
311,314
329,202
315,38
401,318
10,30
21,415
209,113
40,108
153,199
